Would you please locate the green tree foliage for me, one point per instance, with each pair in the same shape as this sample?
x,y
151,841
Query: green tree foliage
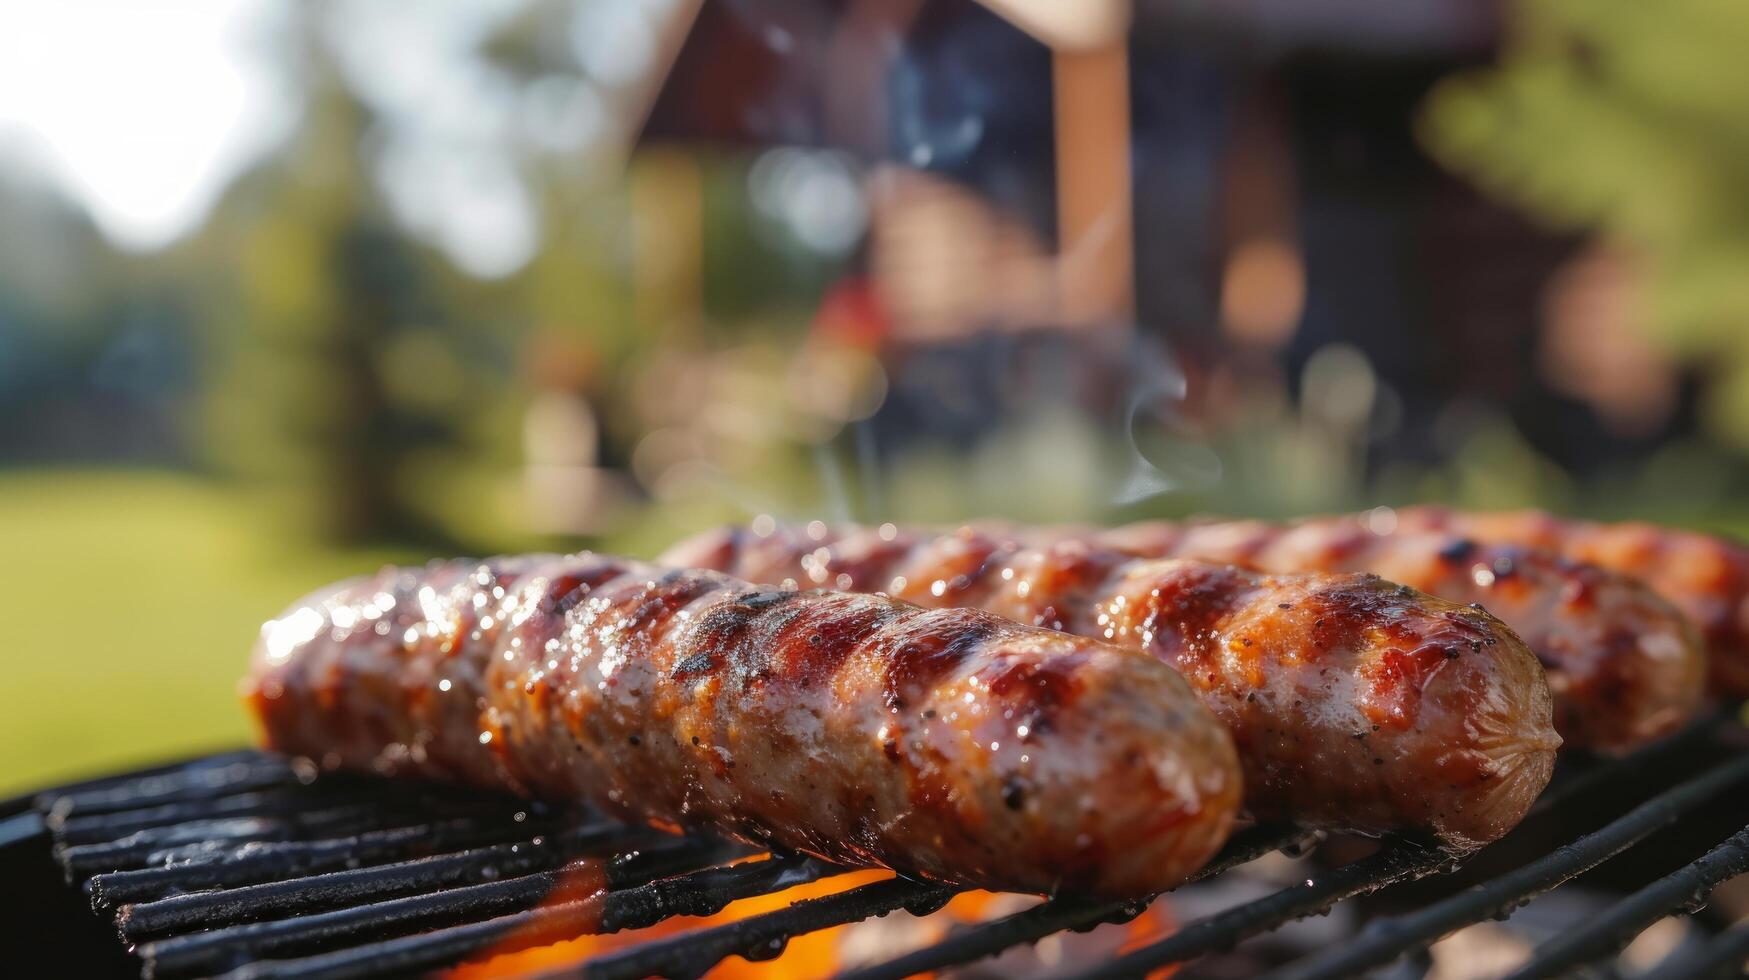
x,y
1631,120
315,307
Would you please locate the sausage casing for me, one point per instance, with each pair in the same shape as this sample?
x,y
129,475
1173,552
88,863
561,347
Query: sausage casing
x,y
1705,575
944,743
1355,703
1625,665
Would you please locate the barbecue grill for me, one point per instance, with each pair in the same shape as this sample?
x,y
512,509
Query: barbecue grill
x,y
247,865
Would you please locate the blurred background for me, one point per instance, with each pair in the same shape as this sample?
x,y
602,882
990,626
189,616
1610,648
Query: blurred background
x,y
289,289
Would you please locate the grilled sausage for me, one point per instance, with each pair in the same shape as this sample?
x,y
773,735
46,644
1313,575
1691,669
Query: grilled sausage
x,y
1705,575
1355,703
1624,664
944,743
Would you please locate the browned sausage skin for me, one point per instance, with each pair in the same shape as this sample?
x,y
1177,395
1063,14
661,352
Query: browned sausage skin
x,y
1355,703
1624,664
944,743
1705,575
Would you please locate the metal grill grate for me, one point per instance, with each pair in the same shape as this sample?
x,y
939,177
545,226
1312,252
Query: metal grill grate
x,y
243,866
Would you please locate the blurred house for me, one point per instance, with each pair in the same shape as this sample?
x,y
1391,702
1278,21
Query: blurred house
x,y
1240,182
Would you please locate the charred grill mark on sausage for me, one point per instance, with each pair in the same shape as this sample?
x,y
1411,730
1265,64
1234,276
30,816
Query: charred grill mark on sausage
x,y
855,727
1455,711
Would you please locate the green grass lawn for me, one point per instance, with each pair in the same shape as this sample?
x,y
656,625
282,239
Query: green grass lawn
x,y
130,601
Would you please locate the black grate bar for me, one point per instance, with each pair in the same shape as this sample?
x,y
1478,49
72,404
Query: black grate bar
x,y
20,827
175,786
229,948
280,801
336,889
701,893
160,845
138,849
258,861
1723,957
1384,940
707,892
222,949
1030,925
1398,863
189,779
1620,923
286,799
761,937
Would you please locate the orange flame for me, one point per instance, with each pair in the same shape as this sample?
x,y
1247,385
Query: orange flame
x,y
814,954
826,951
508,957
